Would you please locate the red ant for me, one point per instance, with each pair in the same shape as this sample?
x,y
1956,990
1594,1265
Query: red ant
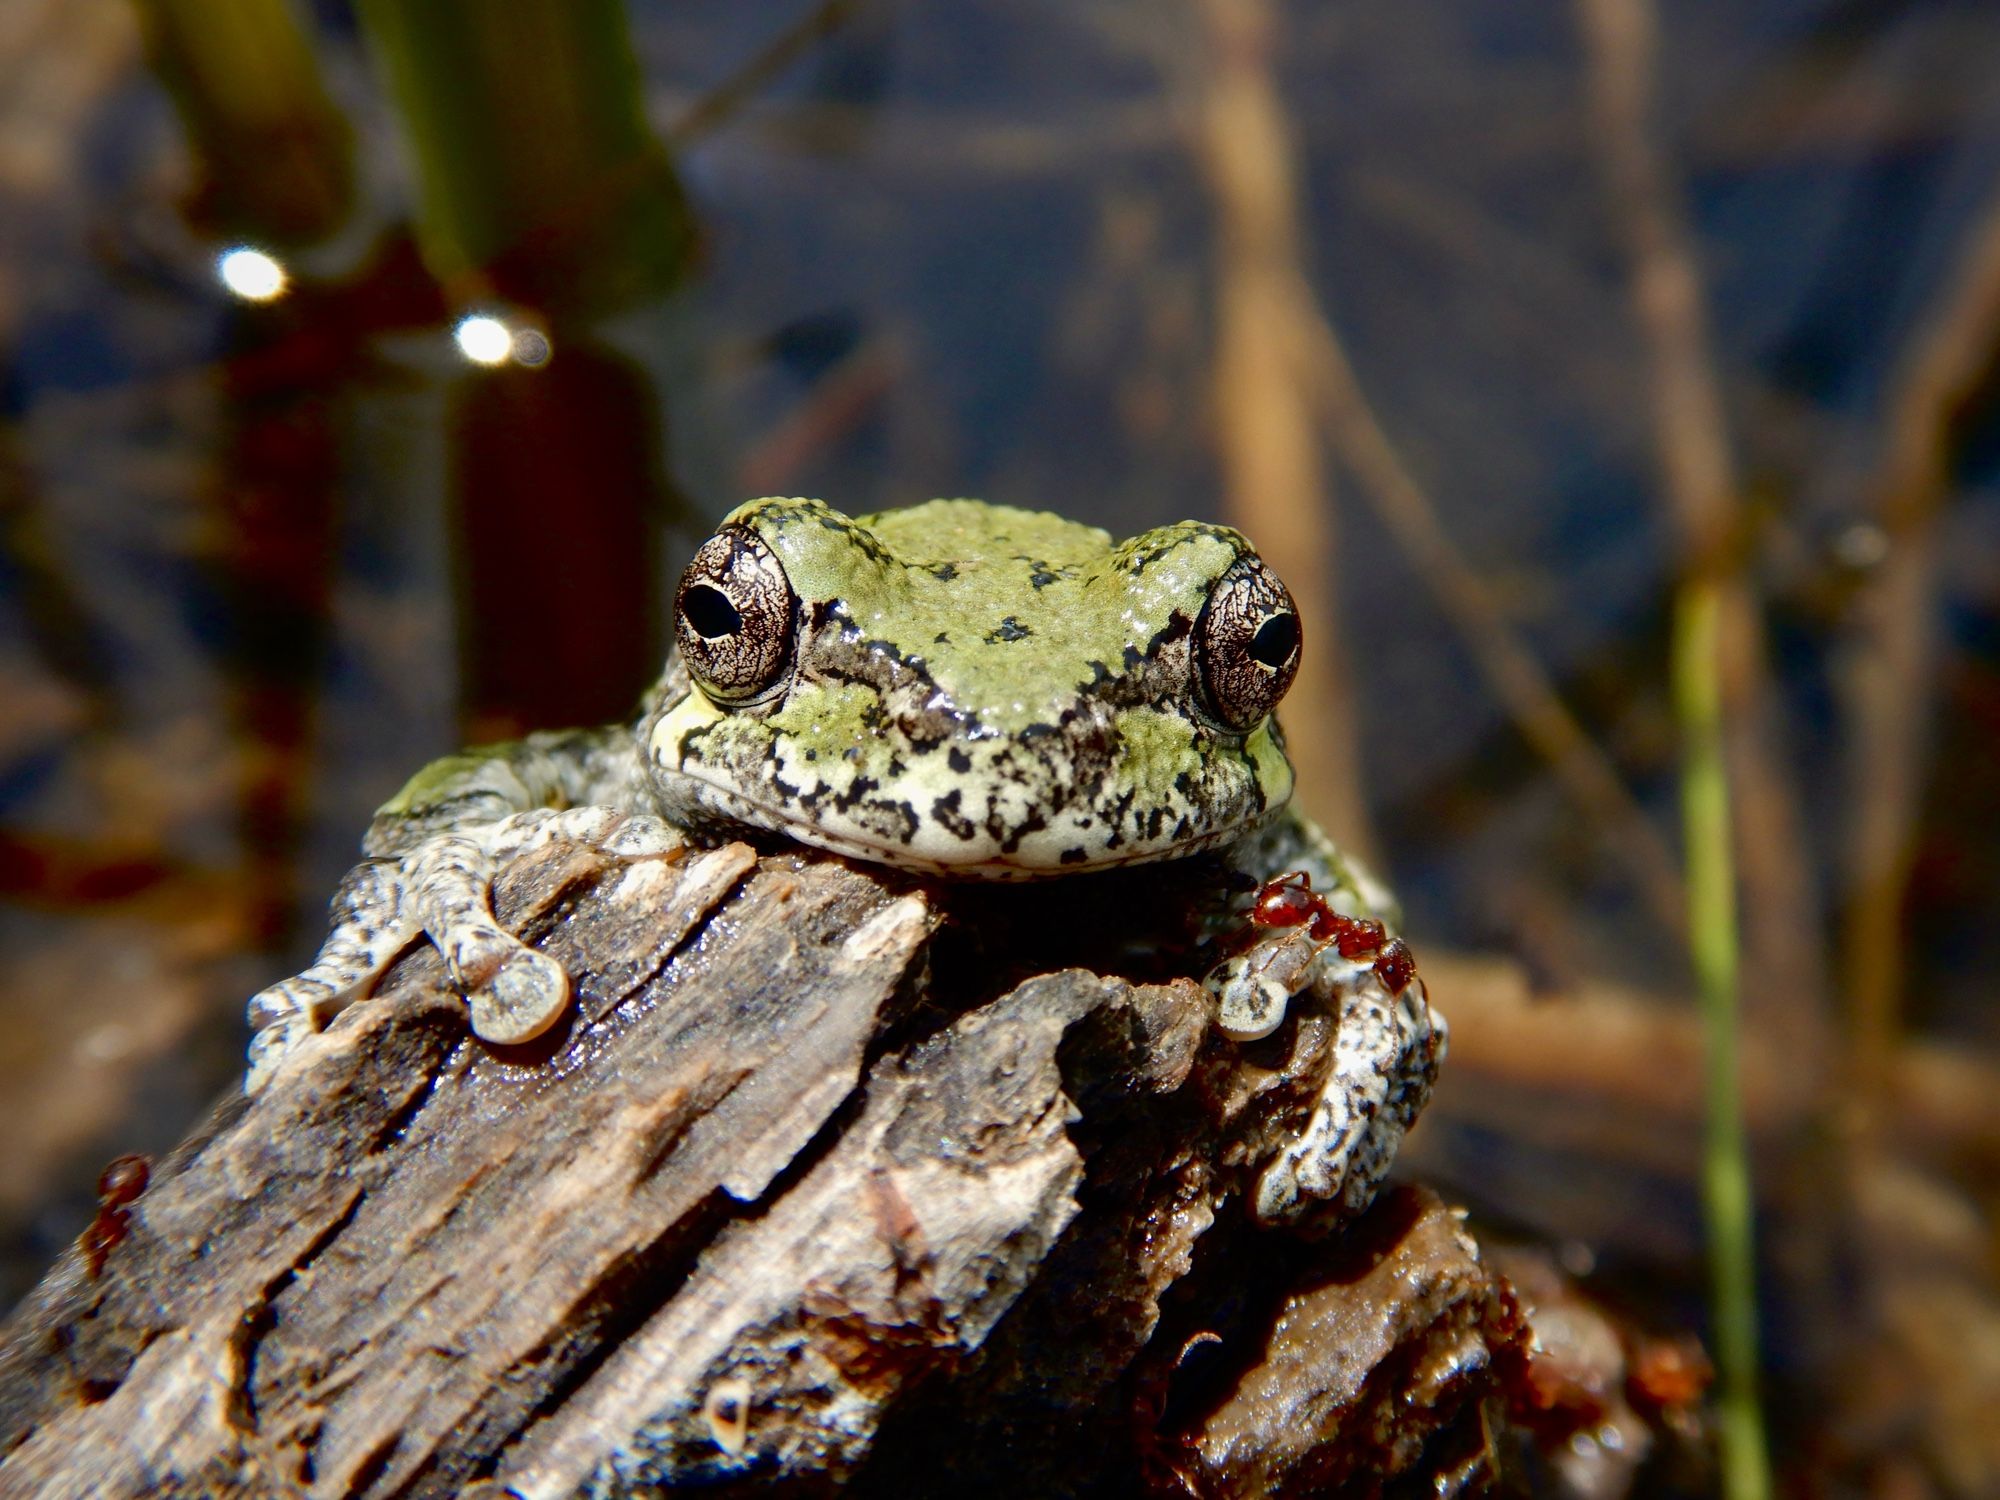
x,y
1290,901
121,1183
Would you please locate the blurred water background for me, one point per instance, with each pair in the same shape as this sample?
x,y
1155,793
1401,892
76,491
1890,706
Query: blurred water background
x,y
1489,323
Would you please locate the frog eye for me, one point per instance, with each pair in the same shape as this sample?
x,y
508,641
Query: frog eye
x,y
733,616
1246,644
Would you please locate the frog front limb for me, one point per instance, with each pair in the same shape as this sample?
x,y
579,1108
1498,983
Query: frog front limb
x,y
1385,1057
435,847
1379,1061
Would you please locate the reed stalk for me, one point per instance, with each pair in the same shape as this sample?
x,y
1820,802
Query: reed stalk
x,y
1727,1200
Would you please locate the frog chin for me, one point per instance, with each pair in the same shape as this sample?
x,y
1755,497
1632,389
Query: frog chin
x,y
1095,797
1039,854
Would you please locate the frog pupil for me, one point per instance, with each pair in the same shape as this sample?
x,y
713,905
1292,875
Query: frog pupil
x,y
709,611
1276,639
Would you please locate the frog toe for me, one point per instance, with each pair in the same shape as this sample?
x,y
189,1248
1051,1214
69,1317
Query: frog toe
x,y
1250,1005
270,1045
371,925
523,998
641,835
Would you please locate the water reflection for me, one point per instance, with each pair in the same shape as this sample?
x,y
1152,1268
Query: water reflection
x,y
487,340
483,339
557,482
252,274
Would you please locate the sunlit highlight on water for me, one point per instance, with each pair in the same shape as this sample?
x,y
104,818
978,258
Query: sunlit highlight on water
x,y
487,340
251,274
483,340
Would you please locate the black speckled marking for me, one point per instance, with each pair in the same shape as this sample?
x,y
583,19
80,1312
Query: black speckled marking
x,y
1009,629
946,811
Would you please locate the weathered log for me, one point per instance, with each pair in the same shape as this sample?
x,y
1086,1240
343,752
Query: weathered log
x,y
807,1192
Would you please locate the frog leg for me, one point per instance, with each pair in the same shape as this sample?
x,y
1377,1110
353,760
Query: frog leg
x,y
437,844
515,992
569,768
1385,1057
369,923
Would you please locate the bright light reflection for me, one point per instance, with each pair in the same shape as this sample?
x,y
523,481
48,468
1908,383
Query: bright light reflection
x,y
251,274
483,340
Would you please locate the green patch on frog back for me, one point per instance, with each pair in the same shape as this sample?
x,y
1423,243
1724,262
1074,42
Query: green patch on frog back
x,y
1012,614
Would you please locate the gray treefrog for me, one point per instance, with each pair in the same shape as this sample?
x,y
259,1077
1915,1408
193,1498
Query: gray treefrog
x,y
958,689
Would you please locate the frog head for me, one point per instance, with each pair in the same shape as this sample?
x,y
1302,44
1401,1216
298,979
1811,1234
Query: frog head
x,y
970,689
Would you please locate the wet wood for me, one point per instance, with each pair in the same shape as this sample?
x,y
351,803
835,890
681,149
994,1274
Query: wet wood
x,y
783,1203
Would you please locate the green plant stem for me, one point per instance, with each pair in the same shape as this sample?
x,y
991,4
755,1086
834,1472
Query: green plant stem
x,y
273,154
1726,1195
541,181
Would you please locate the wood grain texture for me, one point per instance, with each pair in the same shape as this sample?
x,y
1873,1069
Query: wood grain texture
x,y
796,1197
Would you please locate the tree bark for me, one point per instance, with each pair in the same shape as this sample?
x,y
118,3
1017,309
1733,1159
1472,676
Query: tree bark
x,y
805,1193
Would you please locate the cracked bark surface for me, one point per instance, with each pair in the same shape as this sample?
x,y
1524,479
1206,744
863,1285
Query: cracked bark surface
x,y
830,1179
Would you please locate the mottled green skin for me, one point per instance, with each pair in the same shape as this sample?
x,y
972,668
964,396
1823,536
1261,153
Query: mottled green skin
x,y
978,691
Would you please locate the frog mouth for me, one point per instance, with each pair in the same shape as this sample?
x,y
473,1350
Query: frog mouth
x,y
730,808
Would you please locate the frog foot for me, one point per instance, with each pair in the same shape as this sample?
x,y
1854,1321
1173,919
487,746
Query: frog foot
x,y
443,889
1384,1063
1386,1047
